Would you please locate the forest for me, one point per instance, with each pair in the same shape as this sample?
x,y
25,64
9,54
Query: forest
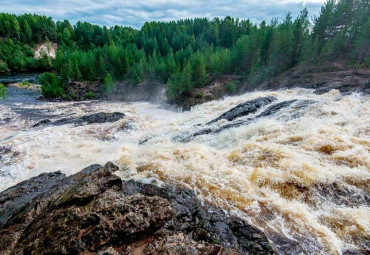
x,y
185,54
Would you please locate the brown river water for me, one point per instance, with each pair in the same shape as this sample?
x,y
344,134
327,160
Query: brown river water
x,y
301,175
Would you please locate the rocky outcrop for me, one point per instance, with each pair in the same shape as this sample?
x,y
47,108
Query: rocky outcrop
x,y
82,90
216,88
95,212
322,79
100,117
245,108
48,48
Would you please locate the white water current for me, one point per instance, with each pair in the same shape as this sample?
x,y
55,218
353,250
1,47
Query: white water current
x,y
301,175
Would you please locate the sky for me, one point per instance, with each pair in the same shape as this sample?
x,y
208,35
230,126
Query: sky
x,y
136,13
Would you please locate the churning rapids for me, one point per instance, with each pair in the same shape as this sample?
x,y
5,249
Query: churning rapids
x,y
301,173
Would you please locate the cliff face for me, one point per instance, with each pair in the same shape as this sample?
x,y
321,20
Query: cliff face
x,y
50,49
95,212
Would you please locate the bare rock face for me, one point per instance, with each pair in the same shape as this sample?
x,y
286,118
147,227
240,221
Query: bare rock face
x,y
48,49
95,212
78,90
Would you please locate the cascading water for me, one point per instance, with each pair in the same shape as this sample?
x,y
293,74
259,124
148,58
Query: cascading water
x,y
301,174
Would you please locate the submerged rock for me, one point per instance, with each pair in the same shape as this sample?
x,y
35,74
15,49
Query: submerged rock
x,y
42,123
95,212
100,117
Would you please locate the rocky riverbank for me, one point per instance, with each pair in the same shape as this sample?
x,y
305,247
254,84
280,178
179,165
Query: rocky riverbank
x,y
321,78
95,212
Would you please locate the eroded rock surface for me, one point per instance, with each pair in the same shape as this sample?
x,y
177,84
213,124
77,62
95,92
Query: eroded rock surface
x,y
95,212
245,108
100,117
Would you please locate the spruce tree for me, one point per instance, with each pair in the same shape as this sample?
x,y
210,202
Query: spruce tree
x,y
186,84
199,70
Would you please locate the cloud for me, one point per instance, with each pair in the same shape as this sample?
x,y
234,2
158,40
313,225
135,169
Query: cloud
x,y
136,13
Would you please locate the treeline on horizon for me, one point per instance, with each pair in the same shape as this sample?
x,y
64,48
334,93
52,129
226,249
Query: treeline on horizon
x,y
187,53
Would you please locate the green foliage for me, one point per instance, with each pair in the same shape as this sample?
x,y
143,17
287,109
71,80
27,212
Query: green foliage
x,y
199,95
2,92
4,66
90,95
51,86
230,87
186,53
199,74
26,84
109,86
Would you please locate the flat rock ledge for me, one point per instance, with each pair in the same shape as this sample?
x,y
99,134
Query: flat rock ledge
x,y
95,212
95,118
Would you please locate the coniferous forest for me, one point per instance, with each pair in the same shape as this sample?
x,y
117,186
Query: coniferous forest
x,y
185,54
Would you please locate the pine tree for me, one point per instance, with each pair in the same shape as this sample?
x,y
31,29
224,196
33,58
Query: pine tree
x,y
76,69
16,27
186,84
28,32
173,85
101,70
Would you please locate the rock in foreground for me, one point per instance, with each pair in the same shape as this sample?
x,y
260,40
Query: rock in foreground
x,y
95,212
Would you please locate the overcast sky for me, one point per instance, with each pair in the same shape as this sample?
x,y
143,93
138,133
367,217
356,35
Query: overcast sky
x,y
135,13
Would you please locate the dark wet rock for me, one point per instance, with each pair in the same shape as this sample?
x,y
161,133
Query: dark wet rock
x,y
344,89
13,199
296,105
5,149
184,138
275,108
245,108
338,195
321,91
100,117
42,123
95,212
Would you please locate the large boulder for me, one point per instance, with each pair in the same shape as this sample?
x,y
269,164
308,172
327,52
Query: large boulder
x,y
95,212
100,117
245,108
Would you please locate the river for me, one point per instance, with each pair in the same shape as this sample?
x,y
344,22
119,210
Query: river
x,y
301,175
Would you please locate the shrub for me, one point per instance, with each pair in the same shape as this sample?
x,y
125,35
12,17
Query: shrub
x,y
199,95
26,84
51,86
4,66
230,87
90,95
2,91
